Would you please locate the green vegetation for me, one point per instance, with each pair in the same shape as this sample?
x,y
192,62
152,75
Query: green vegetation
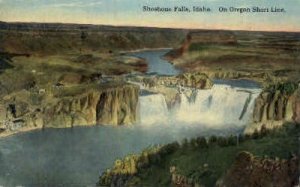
x,y
286,88
44,64
205,160
38,56
265,57
35,72
198,47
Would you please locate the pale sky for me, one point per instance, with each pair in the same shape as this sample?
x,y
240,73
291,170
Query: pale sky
x,y
129,12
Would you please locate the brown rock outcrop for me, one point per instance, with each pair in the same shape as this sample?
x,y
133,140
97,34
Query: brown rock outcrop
x,y
106,106
275,106
112,106
251,172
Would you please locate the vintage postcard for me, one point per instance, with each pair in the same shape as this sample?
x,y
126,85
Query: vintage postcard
x,y
149,93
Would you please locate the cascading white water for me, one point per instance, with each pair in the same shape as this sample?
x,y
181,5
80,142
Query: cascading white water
x,y
219,106
153,108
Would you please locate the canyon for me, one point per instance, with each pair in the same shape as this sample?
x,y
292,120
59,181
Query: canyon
x,y
76,98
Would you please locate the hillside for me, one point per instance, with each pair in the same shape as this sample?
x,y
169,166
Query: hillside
x,y
214,161
263,56
51,39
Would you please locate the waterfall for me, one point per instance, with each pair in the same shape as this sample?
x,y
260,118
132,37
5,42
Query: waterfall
x,y
221,105
153,109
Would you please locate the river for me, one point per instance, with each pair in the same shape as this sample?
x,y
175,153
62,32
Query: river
x,y
77,156
156,63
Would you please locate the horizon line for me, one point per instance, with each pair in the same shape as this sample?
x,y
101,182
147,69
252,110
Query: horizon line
x,y
150,27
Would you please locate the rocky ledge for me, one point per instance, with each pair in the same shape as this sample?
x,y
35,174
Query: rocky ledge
x,y
251,171
172,86
111,104
249,161
275,105
196,80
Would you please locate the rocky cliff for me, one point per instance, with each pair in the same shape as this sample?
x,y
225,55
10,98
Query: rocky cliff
x,y
51,38
248,170
125,172
251,171
111,105
275,105
214,161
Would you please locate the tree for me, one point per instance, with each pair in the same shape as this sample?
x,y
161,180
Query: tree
x,y
255,134
83,37
222,141
212,139
232,140
202,143
263,130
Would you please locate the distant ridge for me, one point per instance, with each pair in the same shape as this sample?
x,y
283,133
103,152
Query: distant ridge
x,y
74,26
94,27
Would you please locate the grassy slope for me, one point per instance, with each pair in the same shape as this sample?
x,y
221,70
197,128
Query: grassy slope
x,y
43,53
189,160
48,70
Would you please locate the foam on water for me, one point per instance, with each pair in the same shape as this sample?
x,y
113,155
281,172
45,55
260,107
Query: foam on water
x,y
221,106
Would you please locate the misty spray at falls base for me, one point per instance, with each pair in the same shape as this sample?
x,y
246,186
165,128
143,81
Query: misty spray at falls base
x,y
221,110
222,106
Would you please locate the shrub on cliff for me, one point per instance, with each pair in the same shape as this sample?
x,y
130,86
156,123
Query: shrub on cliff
x,y
222,141
286,88
212,139
207,166
232,140
248,170
201,142
169,148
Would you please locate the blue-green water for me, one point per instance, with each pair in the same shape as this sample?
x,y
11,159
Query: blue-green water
x,y
77,156
156,63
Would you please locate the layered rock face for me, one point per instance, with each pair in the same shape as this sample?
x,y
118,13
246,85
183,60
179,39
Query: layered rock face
x,y
117,106
275,106
107,106
296,108
114,106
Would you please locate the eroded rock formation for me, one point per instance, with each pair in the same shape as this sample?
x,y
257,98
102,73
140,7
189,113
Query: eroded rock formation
x,y
251,171
275,105
115,105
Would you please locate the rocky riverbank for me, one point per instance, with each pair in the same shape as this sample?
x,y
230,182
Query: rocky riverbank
x,y
111,100
214,161
276,105
249,170
111,104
